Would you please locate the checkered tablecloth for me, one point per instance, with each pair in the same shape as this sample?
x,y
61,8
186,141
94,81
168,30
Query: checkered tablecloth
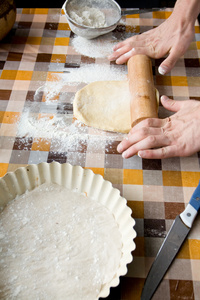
x,y
35,56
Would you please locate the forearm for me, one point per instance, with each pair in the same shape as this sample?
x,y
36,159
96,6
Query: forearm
x,y
187,10
172,37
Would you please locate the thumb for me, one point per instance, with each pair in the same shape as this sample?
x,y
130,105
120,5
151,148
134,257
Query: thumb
x,y
170,104
167,64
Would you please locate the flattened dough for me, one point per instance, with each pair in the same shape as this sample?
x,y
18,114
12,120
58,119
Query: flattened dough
x,y
104,105
54,243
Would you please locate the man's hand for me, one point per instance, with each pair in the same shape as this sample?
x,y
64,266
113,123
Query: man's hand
x,y
171,38
178,135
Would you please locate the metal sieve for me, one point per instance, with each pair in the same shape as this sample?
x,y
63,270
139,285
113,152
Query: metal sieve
x,y
111,10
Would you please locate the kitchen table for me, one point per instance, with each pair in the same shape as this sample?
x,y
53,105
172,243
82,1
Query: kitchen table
x,y
42,65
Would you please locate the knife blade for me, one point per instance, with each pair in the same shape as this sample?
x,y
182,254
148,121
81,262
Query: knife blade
x,y
171,245
134,11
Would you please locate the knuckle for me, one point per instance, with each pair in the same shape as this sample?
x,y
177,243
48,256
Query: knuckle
x,y
151,139
148,122
152,46
163,152
165,132
145,131
136,38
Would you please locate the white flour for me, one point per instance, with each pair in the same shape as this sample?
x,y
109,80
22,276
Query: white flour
x,y
87,16
54,243
95,72
85,74
98,48
60,127
66,135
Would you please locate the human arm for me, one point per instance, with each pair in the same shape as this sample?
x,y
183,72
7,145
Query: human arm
x,y
172,37
178,135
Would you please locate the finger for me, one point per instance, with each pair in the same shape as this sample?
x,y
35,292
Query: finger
x,y
132,139
153,141
167,65
160,153
134,40
150,122
120,45
120,51
172,105
125,56
134,45
121,48
145,50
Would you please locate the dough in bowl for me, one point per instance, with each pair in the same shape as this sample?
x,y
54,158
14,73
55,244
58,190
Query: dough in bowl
x,y
104,105
56,243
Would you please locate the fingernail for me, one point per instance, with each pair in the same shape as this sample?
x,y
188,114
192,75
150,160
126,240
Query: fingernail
x,y
124,154
142,154
162,70
110,56
164,98
119,148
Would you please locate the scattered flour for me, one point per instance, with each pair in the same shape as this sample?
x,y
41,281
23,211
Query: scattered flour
x,y
60,128
85,74
87,16
56,247
98,48
68,135
50,90
95,72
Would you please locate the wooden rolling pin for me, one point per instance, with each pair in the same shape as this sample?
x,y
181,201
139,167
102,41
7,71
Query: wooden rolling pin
x,y
142,90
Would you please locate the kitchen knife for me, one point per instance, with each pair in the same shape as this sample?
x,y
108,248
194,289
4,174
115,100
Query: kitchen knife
x,y
171,245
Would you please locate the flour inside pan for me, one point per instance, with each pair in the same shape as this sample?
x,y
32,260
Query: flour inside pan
x,y
56,243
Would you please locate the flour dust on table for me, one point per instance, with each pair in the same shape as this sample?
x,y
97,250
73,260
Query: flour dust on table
x,y
101,47
86,74
42,119
66,134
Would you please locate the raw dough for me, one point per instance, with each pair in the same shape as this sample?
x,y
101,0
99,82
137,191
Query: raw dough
x,y
104,105
57,247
